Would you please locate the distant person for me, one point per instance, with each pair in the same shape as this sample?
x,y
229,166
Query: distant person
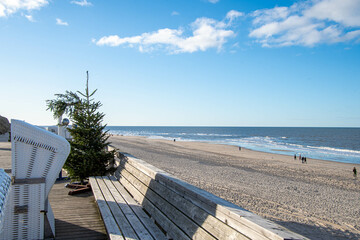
x,y
239,148
174,140
305,160
300,156
295,156
355,172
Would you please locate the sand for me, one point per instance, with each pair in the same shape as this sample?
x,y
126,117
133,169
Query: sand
x,y
5,152
320,199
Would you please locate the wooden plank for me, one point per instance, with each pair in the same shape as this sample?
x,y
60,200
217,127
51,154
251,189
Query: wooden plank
x,y
80,233
22,181
172,230
134,221
236,217
193,230
207,221
136,207
109,221
186,190
127,231
90,226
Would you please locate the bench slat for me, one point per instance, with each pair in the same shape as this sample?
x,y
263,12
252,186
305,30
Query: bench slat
x,y
111,226
136,207
181,220
134,221
172,230
125,227
207,221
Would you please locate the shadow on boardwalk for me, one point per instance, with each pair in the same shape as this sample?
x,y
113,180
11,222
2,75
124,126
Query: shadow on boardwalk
x,y
76,217
67,230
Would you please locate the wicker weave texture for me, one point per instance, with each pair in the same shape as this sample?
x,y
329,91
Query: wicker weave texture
x,y
37,153
30,224
5,181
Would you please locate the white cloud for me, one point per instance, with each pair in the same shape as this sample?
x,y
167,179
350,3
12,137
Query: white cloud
x,y
346,12
269,15
175,13
61,22
206,33
308,23
233,14
213,1
30,18
9,7
83,3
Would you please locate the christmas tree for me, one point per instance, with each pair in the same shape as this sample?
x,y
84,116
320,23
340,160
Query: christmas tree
x,y
88,155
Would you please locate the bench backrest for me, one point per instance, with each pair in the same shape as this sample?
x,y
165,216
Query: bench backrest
x,y
186,212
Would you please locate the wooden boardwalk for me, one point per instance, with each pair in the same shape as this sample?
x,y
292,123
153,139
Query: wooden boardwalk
x,y
77,216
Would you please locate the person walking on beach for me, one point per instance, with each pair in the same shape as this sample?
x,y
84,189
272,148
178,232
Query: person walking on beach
x,y
295,156
355,172
239,148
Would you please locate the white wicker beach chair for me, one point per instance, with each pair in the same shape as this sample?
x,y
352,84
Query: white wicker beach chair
x,y
5,181
37,158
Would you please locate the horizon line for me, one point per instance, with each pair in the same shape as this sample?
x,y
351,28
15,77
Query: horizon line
x,y
228,126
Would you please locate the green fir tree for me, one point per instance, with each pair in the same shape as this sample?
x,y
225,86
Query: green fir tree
x,y
88,155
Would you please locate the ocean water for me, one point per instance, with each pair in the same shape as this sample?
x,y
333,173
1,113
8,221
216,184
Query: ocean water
x,y
334,144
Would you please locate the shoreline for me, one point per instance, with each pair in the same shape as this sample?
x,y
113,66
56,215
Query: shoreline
x,y
318,200
267,155
335,144
279,151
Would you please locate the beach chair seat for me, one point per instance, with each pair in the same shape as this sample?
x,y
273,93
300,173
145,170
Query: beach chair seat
x,y
37,159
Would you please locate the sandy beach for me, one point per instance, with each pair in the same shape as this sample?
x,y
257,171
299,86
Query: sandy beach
x,y
320,199
5,152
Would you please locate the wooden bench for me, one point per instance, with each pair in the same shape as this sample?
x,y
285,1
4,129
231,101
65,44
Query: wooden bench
x,y
143,202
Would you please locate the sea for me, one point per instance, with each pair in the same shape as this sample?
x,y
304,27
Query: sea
x,y
334,144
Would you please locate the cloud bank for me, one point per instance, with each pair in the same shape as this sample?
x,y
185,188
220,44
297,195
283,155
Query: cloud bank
x,y
307,23
9,7
205,33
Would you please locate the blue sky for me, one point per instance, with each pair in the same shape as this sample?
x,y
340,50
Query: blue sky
x,y
185,62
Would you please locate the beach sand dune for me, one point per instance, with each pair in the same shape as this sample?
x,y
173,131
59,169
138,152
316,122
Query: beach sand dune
x,y
320,199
